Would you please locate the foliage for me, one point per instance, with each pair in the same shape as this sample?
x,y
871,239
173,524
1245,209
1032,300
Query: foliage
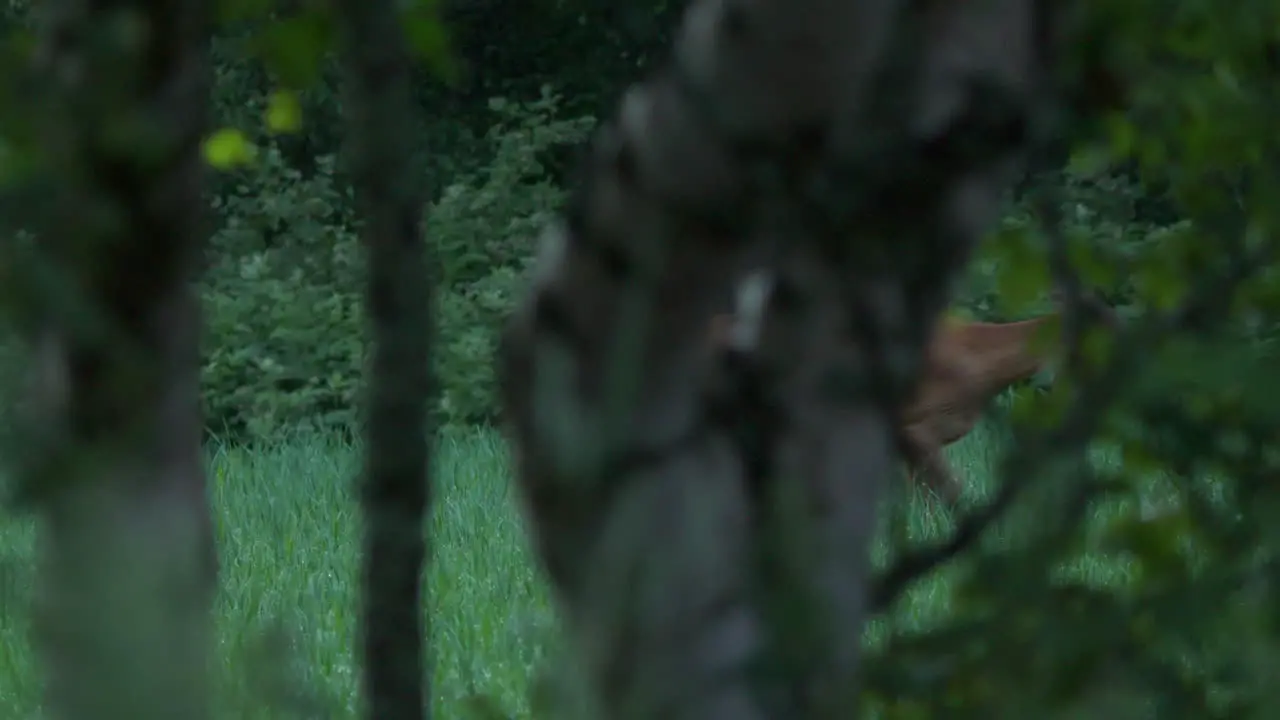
x,y
483,230
284,346
1153,204
1184,397
1102,212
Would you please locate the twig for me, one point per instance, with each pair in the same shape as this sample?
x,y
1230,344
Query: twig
x,y
1075,429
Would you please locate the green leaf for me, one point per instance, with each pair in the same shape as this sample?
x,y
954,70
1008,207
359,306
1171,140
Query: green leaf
x,y
1160,283
16,162
1046,338
1091,265
429,39
294,48
284,112
1138,459
1155,543
1042,410
234,10
1089,161
1122,134
227,149
1021,277
1095,346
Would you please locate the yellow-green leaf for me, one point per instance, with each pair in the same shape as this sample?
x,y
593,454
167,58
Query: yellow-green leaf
x,y
1122,133
1047,337
228,148
1095,346
429,39
1161,286
284,112
1021,276
294,48
1021,285
1041,410
1088,261
1138,459
15,163
1089,161
237,10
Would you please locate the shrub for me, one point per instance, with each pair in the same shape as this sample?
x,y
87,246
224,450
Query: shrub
x,y
284,344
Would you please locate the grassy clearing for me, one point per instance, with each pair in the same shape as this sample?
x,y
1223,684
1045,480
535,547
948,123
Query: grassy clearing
x,y
289,541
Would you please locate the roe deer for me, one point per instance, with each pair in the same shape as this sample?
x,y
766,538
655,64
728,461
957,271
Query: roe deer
x,y
968,363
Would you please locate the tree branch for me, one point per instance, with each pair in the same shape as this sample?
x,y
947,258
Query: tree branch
x,y
395,490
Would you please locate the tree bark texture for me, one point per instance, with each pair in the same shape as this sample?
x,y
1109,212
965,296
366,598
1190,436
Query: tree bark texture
x,y
127,564
395,491
705,517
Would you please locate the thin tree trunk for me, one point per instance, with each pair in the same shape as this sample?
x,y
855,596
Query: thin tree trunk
x,y
707,523
396,486
127,560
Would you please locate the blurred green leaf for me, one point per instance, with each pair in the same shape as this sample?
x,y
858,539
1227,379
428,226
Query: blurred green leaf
x,y
227,149
236,10
429,38
1022,276
284,112
294,48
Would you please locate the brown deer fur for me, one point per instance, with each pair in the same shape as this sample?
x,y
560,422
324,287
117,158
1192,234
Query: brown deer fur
x,y
968,364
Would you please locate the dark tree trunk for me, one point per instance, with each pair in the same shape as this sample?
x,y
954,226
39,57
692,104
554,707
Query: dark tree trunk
x,y
127,565
396,486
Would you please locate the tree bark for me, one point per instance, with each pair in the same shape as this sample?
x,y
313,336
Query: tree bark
x,y
127,564
395,491
706,523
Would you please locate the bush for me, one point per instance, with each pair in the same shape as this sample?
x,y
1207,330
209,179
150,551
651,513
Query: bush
x,y
284,344
1102,214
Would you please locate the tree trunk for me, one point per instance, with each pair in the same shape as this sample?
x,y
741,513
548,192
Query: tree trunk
x,y
127,559
396,487
706,522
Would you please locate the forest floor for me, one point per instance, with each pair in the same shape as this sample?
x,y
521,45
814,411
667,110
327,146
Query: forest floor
x,y
287,609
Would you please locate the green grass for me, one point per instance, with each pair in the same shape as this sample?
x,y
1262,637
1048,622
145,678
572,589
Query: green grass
x,y
289,543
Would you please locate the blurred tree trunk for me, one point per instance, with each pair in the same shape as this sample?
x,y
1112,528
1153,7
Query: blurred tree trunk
x,y
127,564
396,486
706,521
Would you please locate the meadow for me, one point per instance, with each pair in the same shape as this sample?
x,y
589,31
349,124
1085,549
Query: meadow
x,y
286,612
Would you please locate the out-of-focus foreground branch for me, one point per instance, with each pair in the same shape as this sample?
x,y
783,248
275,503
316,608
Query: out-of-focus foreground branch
x,y
395,490
705,520
127,566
